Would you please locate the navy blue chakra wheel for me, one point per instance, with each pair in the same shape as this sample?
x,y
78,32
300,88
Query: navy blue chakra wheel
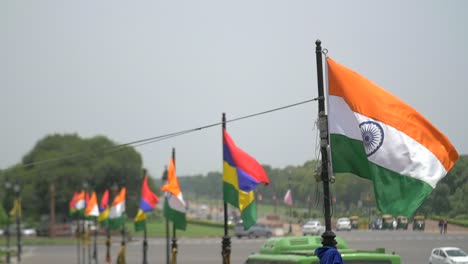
x,y
372,135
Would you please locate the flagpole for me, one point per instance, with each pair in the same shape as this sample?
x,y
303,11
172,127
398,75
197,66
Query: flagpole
x,y
18,220
164,181
290,206
78,237
123,234
95,254
108,240
328,237
145,242
226,244
145,245
88,240
174,237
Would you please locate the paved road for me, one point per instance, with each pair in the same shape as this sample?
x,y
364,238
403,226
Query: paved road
x,y
413,247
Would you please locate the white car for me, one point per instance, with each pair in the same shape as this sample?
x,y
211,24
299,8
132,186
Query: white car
x,y
313,227
448,255
343,224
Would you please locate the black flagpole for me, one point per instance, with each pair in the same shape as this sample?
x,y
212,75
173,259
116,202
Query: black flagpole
x,y
95,254
328,237
174,237
145,242
164,181
77,234
145,246
226,244
83,238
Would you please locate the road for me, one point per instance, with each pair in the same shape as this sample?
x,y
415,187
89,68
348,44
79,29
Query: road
x,y
413,247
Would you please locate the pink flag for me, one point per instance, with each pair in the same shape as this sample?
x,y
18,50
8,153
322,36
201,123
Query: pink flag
x,y
288,198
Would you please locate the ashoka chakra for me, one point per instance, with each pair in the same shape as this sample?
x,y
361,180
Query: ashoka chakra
x,y
372,135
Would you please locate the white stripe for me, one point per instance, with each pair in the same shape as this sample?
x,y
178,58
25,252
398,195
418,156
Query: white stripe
x,y
117,210
80,204
342,119
177,203
399,152
94,211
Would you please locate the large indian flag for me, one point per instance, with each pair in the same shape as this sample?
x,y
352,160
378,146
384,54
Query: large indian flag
x,y
375,135
174,204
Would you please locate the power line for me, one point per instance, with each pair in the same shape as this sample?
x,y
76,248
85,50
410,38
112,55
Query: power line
x,y
137,143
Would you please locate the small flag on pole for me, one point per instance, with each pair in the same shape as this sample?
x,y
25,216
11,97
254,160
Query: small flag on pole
x,y
288,198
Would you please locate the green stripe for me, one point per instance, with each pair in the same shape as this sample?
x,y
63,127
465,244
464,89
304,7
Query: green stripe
x,y
395,194
116,223
249,215
231,194
178,218
140,225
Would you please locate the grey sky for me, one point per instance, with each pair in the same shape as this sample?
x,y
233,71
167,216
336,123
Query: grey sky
x,y
131,70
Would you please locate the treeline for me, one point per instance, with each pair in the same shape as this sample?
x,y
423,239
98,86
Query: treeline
x,y
351,195
97,163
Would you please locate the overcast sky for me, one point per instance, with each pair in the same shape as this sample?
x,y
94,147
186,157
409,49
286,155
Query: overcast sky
x,y
132,70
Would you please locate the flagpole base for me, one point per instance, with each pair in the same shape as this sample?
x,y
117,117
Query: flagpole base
x,y
328,239
226,252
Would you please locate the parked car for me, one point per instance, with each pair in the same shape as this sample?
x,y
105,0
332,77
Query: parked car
x,y
343,223
447,255
255,231
313,227
25,231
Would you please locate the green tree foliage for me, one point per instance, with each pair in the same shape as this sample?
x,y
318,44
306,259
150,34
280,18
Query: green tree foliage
x,y
350,194
75,164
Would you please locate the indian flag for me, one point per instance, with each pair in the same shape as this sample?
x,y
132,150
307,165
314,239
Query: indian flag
x,y
174,204
80,203
117,210
375,135
92,209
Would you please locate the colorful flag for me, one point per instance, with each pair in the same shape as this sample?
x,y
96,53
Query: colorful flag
x,y
92,209
117,210
148,199
375,135
140,221
72,203
288,198
104,207
241,174
80,203
174,204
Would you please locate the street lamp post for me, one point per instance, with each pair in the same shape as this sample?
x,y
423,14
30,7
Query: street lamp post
x,y
7,230
18,220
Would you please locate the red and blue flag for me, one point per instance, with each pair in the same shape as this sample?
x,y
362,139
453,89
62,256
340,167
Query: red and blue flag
x,y
148,199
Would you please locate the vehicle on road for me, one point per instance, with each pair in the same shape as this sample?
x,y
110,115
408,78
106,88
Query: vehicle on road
x,y
402,222
387,221
313,227
354,222
343,223
255,231
448,255
301,250
376,224
25,231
